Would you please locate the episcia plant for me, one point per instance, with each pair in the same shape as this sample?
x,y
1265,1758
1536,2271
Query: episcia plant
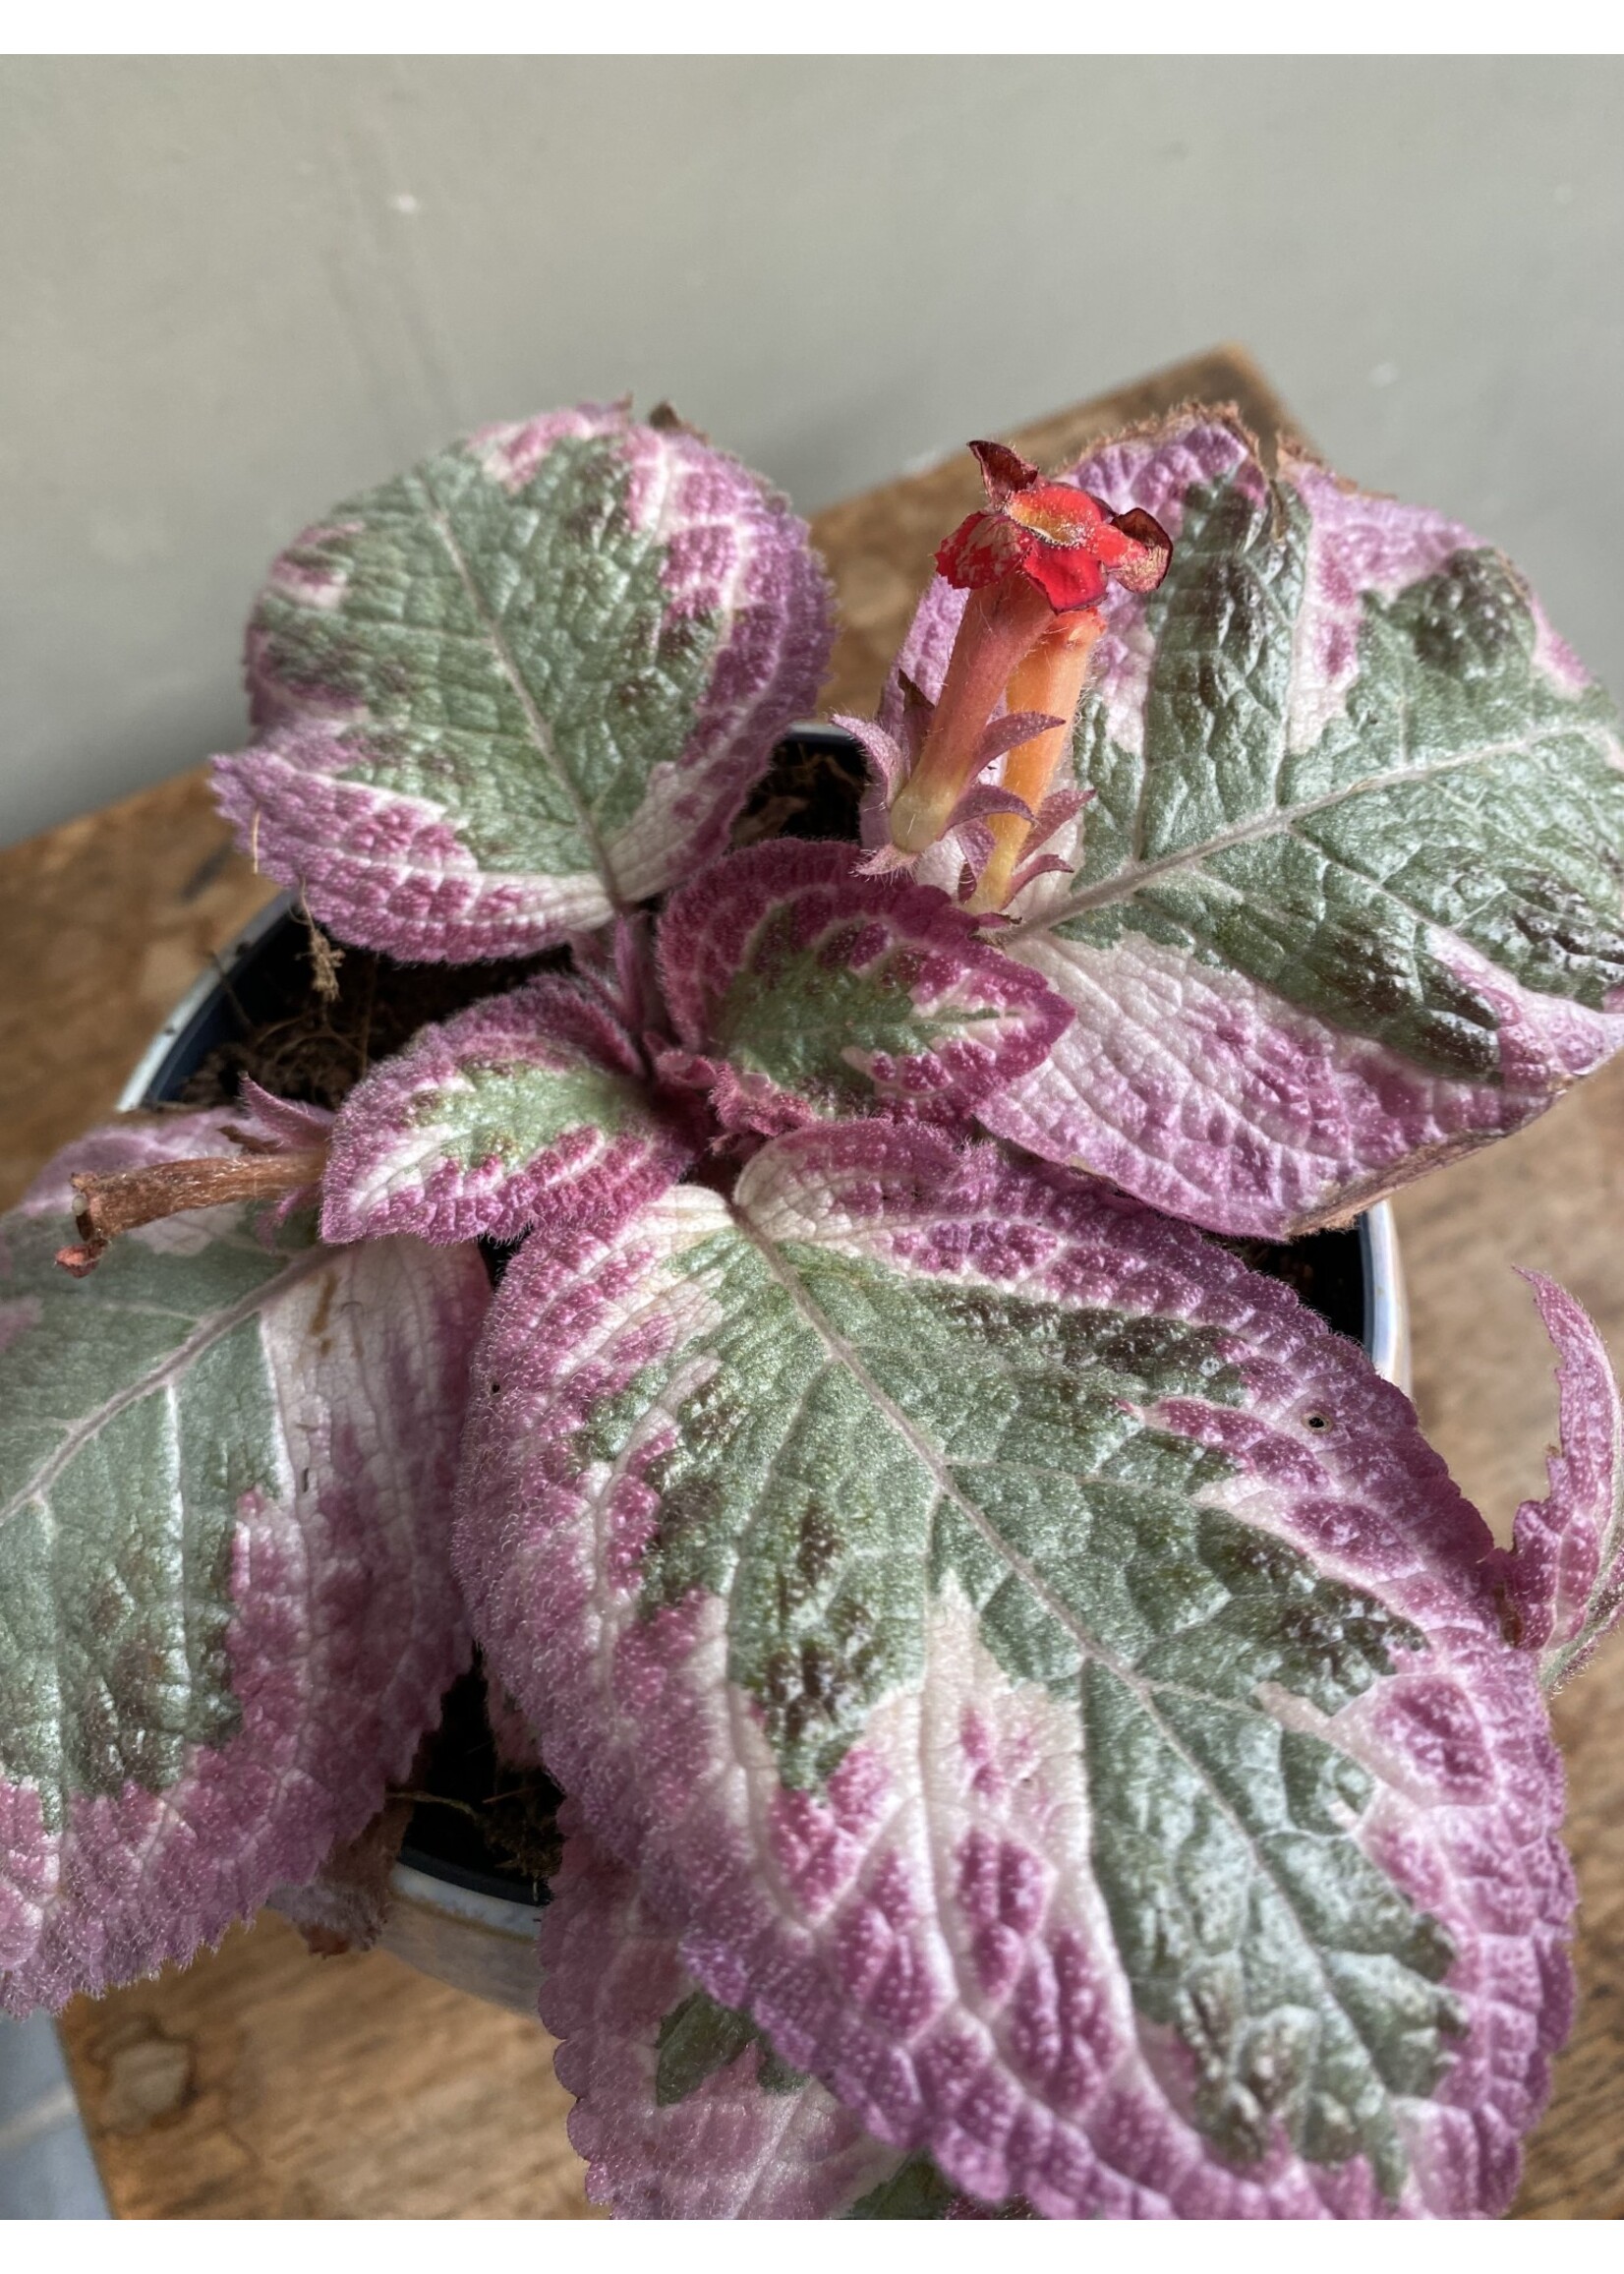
x,y
1043,1734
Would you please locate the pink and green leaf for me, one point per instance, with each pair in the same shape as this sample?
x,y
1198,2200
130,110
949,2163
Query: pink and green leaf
x,y
1045,1675
227,1613
819,992
683,2110
524,686
1565,1574
1345,900
526,1105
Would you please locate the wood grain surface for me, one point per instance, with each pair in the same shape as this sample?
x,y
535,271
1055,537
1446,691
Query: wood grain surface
x,y
260,2082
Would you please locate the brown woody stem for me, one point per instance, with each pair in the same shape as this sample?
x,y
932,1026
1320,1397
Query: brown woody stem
x,y
105,1206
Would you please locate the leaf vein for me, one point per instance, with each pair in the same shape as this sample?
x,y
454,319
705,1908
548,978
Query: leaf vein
x,y
542,733
1087,1645
1277,821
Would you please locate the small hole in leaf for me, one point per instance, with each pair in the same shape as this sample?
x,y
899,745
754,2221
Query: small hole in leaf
x,y
1317,1421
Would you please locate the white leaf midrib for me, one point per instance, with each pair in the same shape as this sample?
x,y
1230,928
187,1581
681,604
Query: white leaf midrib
x,y
540,731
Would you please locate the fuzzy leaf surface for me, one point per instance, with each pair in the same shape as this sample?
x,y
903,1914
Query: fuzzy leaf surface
x,y
1046,1675
1347,902
524,1105
227,1613
826,993
1565,1573
682,2111
523,686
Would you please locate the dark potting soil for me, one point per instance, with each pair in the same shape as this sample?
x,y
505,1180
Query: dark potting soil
x,y
479,1821
314,1043
306,1020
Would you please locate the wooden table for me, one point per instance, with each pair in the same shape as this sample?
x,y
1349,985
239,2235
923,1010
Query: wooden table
x,y
258,2083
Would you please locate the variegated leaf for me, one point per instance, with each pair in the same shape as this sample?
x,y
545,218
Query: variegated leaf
x,y
1565,1574
1348,900
814,991
1046,1675
519,1107
683,2110
227,1613
525,685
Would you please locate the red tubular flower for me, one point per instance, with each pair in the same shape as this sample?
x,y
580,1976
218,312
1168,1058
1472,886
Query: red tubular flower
x,y
1036,562
1060,538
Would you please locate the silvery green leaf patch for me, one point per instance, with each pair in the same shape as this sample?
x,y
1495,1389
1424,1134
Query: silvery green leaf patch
x,y
1346,901
523,686
1043,1674
226,1606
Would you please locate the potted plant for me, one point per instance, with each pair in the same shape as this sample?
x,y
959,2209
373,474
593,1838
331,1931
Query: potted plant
x,y
1042,1732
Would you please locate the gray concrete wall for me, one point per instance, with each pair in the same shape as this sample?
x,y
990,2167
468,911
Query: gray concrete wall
x,y
232,290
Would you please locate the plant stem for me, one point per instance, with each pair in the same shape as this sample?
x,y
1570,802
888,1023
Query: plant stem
x,y
123,1199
